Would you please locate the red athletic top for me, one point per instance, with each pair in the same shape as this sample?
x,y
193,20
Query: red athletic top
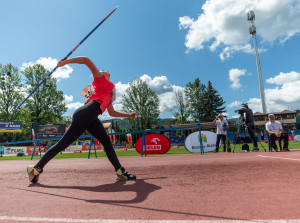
x,y
103,91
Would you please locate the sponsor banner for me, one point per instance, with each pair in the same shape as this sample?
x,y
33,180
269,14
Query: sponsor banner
x,y
29,149
87,147
291,138
10,126
14,150
192,142
44,131
73,148
297,137
155,144
2,150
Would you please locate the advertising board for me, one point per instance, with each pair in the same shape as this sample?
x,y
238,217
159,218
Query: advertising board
x,y
192,142
297,137
44,131
155,144
10,126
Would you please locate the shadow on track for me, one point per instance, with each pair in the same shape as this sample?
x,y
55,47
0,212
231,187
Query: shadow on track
x,y
142,189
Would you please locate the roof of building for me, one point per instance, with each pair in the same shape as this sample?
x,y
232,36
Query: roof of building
x,y
284,112
204,125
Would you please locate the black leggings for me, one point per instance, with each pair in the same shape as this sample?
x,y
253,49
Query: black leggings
x,y
84,118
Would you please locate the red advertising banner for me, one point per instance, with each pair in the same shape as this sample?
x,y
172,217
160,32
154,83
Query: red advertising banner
x,y
29,149
155,144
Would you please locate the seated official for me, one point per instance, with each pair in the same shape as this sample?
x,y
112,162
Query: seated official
x,y
275,131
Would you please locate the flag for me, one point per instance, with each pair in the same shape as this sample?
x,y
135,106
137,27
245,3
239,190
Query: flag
x,y
33,136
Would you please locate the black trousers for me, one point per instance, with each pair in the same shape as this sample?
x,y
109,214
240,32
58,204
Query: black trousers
x,y
250,127
223,137
84,118
284,137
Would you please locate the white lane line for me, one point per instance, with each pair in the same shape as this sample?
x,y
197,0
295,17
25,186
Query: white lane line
x,y
72,220
277,157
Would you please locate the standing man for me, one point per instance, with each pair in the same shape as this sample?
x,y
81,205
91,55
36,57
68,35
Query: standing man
x,y
222,124
275,131
248,120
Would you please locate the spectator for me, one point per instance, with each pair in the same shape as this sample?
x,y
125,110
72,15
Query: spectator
x,y
275,131
222,124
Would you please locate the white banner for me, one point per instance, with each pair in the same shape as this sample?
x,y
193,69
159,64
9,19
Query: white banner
x,y
14,150
192,142
73,148
297,137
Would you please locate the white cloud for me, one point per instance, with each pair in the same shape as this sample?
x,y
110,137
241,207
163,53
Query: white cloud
x,y
74,105
287,92
285,95
234,77
120,91
224,24
50,63
164,90
68,98
162,87
284,78
158,84
234,104
228,50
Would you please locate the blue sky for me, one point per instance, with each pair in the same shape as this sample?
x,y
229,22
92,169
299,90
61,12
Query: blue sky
x,y
166,43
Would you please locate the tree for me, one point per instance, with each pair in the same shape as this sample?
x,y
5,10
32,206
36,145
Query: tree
x,y
194,93
142,100
181,115
213,103
46,104
10,91
10,97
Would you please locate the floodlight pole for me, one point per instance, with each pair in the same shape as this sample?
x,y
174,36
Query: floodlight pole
x,y
252,31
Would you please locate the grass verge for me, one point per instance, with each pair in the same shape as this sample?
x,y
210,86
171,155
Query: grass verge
x,y
132,152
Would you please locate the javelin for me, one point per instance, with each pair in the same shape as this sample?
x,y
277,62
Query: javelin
x,y
66,57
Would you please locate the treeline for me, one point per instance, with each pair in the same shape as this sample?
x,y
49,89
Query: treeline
x,y
196,102
44,106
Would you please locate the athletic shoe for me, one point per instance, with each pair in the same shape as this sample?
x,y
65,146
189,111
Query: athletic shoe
x,y
286,149
255,149
123,175
33,174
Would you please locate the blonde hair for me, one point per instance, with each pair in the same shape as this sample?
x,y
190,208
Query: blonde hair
x,y
106,73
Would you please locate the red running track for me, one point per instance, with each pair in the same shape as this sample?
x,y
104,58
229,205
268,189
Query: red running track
x,y
214,187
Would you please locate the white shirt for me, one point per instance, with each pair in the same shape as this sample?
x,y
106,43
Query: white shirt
x,y
274,127
220,125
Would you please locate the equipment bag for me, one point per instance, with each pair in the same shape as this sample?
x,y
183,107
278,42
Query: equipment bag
x,y
245,146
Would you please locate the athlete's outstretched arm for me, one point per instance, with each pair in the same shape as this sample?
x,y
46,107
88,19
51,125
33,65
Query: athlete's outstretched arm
x,y
113,113
82,60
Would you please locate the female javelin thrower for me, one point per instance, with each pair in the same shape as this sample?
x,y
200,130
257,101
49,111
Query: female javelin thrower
x,y
86,118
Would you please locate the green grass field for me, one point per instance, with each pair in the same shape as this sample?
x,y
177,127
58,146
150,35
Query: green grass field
x,y
180,150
